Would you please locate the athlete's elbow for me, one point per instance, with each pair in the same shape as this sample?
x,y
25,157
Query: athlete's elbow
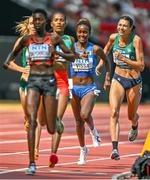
x,y
142,67
5,65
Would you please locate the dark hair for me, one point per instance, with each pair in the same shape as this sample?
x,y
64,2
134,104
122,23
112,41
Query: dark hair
x,y
41,11
57,12
130,20
84,21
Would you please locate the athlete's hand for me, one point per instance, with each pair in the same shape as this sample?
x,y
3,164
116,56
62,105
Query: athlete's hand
x,y
118,55
26,70
98,69
56,56
25,73
52,50
107,81
107,84
84,55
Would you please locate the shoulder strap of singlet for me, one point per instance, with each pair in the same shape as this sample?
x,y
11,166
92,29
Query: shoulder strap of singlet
x,y
47,37
132,37
116,39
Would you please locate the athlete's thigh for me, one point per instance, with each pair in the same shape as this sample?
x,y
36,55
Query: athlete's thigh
x,y
50,104
87,102
116,94
76,107
33,99
133,98
62,105
41,113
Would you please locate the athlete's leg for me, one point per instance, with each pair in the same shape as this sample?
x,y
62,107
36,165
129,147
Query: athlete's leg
x,y
23,99
63,92
87,105
41,121
116,97
37,140
62,105
80,129
41,113
33,98
50,104
133,99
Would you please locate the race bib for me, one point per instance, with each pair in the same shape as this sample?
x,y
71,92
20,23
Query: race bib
x,y
118,61
81,65
39,52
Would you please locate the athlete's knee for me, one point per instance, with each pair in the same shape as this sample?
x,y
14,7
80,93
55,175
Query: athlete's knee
x,y
59,126
32,119
84,115
51,130
114,113
32,123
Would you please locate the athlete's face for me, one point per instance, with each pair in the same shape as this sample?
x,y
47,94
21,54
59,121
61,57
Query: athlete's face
x,y
58,23
39,21
31,26
123,27
82,33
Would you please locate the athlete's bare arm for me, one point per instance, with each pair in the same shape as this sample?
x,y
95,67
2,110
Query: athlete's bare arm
x,y
68,54
15,51
101,57
110,43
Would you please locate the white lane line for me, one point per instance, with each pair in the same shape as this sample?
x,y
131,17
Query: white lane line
x,y
73,172
41,139
124,175
67,137
69,163
72,147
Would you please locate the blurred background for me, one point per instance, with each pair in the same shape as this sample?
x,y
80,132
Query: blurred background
x,y
103,15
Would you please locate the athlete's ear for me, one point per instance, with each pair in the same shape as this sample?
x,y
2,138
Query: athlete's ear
x,y
131,28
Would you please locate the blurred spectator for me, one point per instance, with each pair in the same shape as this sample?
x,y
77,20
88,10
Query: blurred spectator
x,y
103,16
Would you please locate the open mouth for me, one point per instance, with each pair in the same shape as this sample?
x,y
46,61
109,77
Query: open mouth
x,y
37,26
82,39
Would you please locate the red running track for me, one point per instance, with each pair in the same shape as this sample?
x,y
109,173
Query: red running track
x,y
14,153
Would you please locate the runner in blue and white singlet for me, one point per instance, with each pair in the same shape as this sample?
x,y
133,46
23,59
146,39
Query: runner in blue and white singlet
x,y
84,89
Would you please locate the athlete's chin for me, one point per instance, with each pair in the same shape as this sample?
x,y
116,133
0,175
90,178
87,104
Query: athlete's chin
x,y
37,28
58,30
122,34
82,41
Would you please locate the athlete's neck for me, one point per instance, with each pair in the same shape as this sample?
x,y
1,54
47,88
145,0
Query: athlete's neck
x,y
60,33
40,34
125,38
82,46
